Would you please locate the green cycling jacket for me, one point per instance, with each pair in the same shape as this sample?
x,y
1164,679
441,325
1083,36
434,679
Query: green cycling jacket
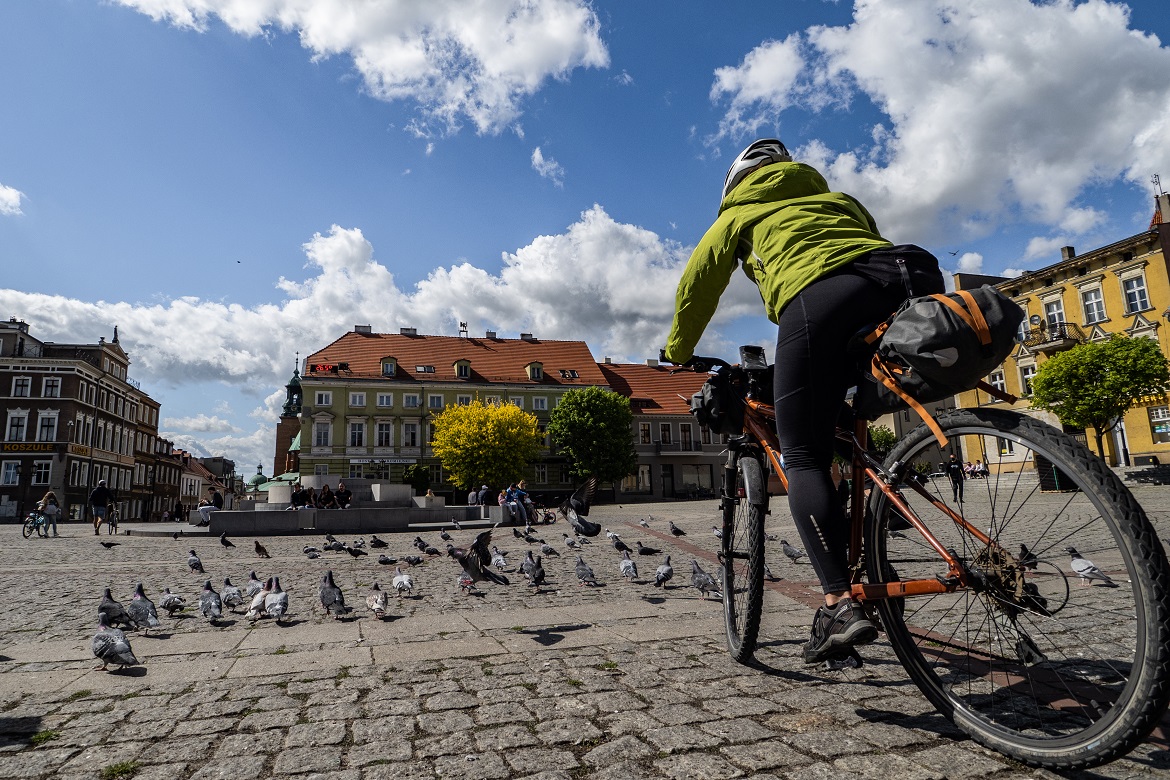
x,y
787,229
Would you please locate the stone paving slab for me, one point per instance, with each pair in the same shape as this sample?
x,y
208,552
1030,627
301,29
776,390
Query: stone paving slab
x,y
620,681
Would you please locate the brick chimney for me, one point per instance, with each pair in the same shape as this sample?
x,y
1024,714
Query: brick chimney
x,y
1162,216
1067,253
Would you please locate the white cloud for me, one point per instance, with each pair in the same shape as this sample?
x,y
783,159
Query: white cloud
x,y
200,423
971,263
1012,273
458,60
991,107
624,78
548,168
10,201
1043,247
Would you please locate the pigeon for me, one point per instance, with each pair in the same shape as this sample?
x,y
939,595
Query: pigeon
x,y
335,546
674,529
609,534
108,545
584,572
115,613
313,556
224,540
177,534
210,604
260,550
254,585
377,543
768,573
419,543
1028,558
257,604
413,560
376,602
628,568
477,559
455,524
171,602
642,550
571,543
702,580
499,559
663,573
276,602
581,541
332,599
446,537
532,539
619,545
517,534
386,560
576,509
110,646
548,550
537,578
1087,570
528,565
403,583
194,562
308,548
230,595
771,537
359,542
432,550
142,611
356,552
642,522
717,531
794,553
466,584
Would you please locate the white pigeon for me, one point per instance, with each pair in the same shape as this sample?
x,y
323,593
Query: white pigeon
x,y
256,607
376,601
402,582
643,523
171,602
716,530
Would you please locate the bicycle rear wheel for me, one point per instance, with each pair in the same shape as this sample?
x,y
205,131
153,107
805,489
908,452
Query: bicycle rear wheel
x,y
745,503
1029,660
30,525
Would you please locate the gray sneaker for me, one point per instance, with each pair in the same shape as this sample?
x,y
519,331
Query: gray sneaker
x,y
836,630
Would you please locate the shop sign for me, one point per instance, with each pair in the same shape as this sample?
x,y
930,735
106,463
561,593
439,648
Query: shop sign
x,y
21,446
387,461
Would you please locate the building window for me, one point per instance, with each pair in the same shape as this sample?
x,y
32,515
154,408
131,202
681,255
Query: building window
x,y
386,400
1160,424
387,368
47,428
436,471
540,473
1005,446
357,400
321,470
463,370
540,404
424,369
1054,313
322,432
357,434
664,433
491,400
11,473
569,373
996,380
410,434
704,434
519,402
42,470
20,387
324,398
1136,298
410,401
644,433
463,400
16,427
385,435
356,471
1026,374
1024,330
684,435
1094,306
52,388
565,477
434,402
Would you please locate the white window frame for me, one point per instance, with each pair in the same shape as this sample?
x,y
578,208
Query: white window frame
x,y
320,469
13,416
435,471
540,474
434,401
1027,373
1094,309
1140,290
10,472
463,400
998,380
389,368
357,400
1054,312
21,386
410,401
357,433
518,401
665,433
644,436
410,434
539,404
319,428
463,370
42,472
491,399
324,398
47,425
385,400
51,387
384,434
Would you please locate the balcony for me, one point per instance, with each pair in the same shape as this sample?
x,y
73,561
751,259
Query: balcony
x,y
1057,337
671,447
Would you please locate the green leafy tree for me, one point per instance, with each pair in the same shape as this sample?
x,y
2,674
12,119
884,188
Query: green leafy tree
x,y
881,440
1092,385
485,444
594,428
417,476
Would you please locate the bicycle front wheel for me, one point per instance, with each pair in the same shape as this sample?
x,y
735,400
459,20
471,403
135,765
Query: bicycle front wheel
x,y
30,525
745,503
1057,653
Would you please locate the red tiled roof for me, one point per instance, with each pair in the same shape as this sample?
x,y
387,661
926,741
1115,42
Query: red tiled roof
x,y
490,359
653,390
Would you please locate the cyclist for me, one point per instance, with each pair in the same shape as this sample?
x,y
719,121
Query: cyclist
x,y
824,273
99,499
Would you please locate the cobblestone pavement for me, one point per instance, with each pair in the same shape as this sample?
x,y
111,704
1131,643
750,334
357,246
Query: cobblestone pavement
x,y
624,680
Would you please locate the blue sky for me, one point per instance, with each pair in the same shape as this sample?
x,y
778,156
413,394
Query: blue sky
x,y
231,181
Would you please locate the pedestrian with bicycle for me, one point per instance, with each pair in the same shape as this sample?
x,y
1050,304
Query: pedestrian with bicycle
x,y
825,273
49,507
100,499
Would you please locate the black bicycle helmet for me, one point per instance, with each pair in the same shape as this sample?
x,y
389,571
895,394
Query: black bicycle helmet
x,y
765,150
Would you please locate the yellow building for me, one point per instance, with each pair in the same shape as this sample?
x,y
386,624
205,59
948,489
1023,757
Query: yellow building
x,y
1122,288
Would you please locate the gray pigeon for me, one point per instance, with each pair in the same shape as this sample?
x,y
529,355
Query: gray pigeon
x,y
499,559
276,602
628,568
257,604
768,573
142,611
1087,570
194,562
402,582
538,574
702,580
576,509
230,594
527,565
571,543
115,612
254,585
332,599
549,551
477,559
110,646
643,523
644,550
376,601
386,560
663,573
794,553
619,545
674,529
584,573
171,602
210,604
717,531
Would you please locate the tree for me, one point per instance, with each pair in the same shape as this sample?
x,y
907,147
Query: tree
x,y
417,476
881,440
1092,385
485,444
594,428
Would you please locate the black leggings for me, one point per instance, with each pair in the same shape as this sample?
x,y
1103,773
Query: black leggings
x,y
813,373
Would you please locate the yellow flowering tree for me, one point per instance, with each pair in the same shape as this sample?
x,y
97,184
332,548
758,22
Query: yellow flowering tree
x,y
485,444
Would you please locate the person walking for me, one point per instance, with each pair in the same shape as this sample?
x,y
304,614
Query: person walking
x,y
49,507
955,471
100,499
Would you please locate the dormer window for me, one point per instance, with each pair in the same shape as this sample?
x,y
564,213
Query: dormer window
x,y
389,366
535,371
424,369
569,373
463,369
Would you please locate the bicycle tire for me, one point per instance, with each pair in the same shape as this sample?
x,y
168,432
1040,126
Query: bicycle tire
x,y
30,525
1050,673
742,554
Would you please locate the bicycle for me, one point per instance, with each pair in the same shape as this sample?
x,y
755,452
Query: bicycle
x,y
112,521
976,597
37,523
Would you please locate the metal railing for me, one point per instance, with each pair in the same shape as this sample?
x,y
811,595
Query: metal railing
x,y
1054,333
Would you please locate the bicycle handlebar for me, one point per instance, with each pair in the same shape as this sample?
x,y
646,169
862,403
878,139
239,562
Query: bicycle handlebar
x,y
697,363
